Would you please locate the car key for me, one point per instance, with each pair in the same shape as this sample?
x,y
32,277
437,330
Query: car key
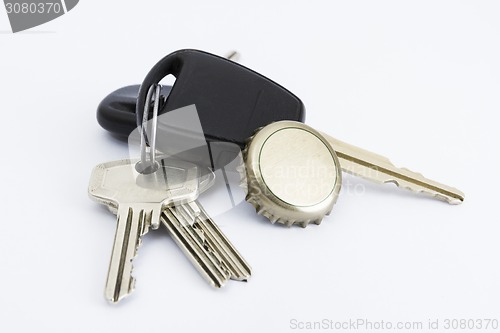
x,y
232,101
292,173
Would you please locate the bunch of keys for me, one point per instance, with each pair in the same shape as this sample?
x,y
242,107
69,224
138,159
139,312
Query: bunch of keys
x,y
157,189
241,109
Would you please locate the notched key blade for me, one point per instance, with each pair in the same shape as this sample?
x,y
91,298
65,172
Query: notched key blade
x,y
191,244
380,169
204,244
132,224
219,244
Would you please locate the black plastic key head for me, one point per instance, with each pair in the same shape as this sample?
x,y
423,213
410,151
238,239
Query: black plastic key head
x,y
232,101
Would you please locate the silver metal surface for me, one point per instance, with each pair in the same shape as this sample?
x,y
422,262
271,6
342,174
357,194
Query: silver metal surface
x,y
233,56
204,244
133,223
292,172
154,123
379,169
138,200
149,142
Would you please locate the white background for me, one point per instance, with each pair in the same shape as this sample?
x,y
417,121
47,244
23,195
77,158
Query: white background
x,y
415,81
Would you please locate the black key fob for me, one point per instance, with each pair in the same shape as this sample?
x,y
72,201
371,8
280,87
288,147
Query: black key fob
x,y
232,101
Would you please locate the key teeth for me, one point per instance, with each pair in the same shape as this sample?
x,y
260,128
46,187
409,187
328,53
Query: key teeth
x,y
131,286
228,275
415,173
132,282
422,190
221,261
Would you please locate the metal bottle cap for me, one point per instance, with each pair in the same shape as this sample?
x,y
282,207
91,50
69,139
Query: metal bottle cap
x,y
293,174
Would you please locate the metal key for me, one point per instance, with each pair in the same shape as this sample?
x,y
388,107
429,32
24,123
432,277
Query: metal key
x,y
204,244
292,173
137,200
379,169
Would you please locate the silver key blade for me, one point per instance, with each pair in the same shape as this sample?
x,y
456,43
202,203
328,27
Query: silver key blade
x,y
378,168
133,223
218,243
204,244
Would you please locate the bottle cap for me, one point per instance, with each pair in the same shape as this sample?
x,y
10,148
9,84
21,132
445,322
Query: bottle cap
x,y
292,173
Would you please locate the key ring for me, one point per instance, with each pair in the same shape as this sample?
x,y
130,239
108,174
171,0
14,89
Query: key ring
x,y
146,166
